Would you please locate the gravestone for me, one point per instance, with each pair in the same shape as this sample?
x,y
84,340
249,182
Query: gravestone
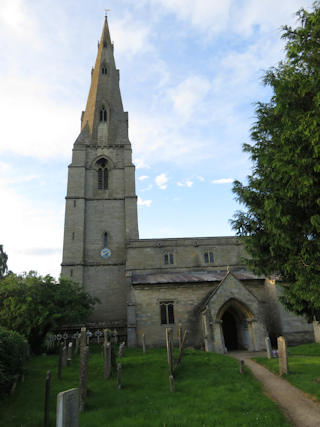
x,y
70,351
283,355
268,347
107,359
169,343
64,356
84,358
144,344
68,408
47,399
119,369
60,361
241,366
115,336
83,337
121,349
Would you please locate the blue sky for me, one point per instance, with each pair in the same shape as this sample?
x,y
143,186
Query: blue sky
x,y
190,73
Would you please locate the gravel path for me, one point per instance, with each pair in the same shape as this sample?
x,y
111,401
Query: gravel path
x,y
301,410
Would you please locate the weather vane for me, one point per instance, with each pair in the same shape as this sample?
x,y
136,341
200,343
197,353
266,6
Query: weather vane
x,y
106,12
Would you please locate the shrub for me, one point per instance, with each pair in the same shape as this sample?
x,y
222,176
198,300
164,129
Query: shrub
x,y
13,352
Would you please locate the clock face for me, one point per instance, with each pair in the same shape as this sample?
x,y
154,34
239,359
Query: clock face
x,y
105,253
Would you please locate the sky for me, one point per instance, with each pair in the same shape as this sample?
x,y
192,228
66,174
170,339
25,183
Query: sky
x,y
190,75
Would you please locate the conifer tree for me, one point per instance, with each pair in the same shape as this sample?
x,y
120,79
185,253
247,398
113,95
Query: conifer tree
x,y
281,222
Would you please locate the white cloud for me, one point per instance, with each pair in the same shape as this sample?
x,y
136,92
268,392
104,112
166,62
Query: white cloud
x,y
130,36
140,164
223,181
200,178
146,188
146,203
188,95
143,177
186,183
161,181
180,184
189,183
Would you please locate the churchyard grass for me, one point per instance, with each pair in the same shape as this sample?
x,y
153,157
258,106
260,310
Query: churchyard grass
x,y
304,368
209,390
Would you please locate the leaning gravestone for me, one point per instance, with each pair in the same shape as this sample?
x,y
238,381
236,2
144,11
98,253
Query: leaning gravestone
x,y
107,359
84,359
68,408
268,347
283,356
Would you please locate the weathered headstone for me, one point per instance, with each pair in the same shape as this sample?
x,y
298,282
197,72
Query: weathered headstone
x,y
84,358
60,361
47,399
68,408
144,344
105,336
268,347
119,369
83,337
121,349
70,345
64,356
107,359
180,335
241,366
283,355
169,343
76,347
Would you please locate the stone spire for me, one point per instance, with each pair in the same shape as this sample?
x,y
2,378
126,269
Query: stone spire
x,y
104,122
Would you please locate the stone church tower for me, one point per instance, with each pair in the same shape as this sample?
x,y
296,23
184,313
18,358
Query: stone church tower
x,y
101,202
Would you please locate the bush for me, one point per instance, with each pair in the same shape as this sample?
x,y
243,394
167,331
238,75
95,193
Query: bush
x,y
13,353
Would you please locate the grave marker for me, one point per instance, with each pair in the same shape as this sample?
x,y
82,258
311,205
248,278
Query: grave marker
x,y
107,359
268,347
144,344
64,356
47,399
119,369
283,356
121,349
84,358
68,408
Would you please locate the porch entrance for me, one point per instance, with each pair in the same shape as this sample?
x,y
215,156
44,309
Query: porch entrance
x,y
230,331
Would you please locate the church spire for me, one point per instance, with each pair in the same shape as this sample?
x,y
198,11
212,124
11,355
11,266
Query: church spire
x,y
104,117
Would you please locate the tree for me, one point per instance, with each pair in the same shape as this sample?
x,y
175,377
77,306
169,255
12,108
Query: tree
x,y
3,262
33,305
281,224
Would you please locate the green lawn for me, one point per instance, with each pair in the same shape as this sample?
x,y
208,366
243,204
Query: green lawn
x,y
210,391
304,367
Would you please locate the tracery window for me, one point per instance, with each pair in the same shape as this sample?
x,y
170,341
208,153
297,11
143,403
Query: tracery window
x,y
166,312
103,174
168,258
208,257
103,114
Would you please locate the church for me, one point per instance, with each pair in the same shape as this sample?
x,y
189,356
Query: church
x,y
147,285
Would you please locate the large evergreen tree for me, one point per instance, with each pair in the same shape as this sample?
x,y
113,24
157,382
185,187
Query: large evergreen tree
x,y
281,223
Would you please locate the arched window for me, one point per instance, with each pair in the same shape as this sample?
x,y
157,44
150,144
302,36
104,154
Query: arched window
x,y
168,259
103,114
104,69
103,174
105,240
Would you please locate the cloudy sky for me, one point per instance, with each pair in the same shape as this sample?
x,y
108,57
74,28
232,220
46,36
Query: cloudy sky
x,y
190,73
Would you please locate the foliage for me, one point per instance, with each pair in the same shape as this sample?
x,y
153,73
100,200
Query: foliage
x,y
33,305
209,391
13,352
3,262
281,225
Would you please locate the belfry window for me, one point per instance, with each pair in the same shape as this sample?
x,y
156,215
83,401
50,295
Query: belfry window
x,y
168,259
166,312
208,257
104,69
105,240
103,114
103,174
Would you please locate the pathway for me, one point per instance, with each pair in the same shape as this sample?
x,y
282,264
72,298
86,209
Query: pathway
x,y
301,410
